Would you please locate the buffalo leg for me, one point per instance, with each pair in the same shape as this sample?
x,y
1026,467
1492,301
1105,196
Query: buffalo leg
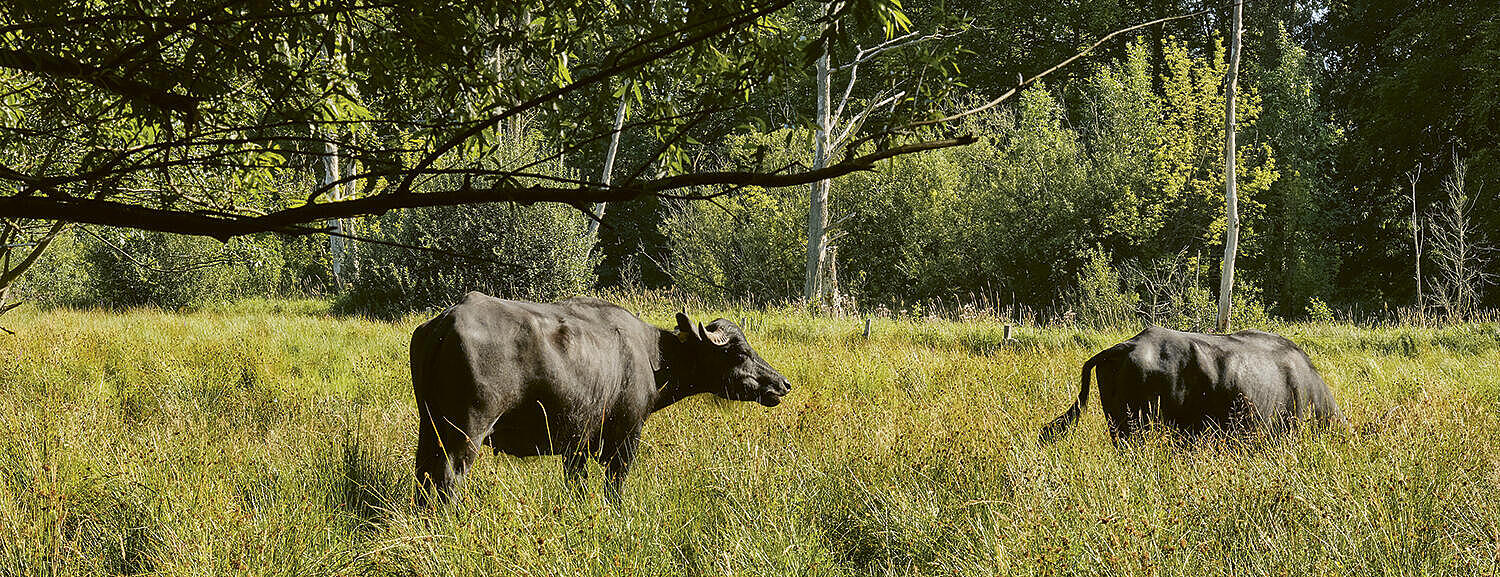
x,y
617,460
1122,423
432,464
445,450
576,470
1118,430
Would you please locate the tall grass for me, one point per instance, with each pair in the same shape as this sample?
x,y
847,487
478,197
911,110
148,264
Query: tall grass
x,y
253,441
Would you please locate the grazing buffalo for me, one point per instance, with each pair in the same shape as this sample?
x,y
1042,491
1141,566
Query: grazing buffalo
x,y
575,378
1197,383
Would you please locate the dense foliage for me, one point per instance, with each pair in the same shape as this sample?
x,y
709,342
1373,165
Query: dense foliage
x,y
1099,193
536,253
1019,214
1340,102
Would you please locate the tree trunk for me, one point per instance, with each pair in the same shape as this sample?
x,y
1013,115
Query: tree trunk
x,y
1416,243
348,251
817,213
5,249
609,166
331,175
1232,220
831,294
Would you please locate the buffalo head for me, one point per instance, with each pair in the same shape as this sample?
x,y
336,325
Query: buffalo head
x,y
724,364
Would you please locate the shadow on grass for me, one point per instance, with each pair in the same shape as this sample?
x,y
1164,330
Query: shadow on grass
x,y
115,525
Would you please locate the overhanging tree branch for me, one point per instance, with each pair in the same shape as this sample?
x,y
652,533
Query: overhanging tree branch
x,y
55,66
609,72
9,276
222,227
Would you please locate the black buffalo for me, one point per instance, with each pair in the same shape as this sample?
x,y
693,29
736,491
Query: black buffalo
x,y
575,378
1195,383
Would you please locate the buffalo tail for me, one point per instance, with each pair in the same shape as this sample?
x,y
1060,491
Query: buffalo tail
x,y
1059,426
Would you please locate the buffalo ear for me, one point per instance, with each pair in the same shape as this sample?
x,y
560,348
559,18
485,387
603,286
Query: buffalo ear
x,y
685,330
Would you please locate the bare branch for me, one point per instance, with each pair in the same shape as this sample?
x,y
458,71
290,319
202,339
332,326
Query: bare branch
x,y
859,120
139,263
427,249
909,39
1029,81
10,276
848,89
863,55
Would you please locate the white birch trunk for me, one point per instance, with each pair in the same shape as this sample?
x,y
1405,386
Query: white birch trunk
x,y
1232,220
609,166
348,250
331,175
1416,243
817,213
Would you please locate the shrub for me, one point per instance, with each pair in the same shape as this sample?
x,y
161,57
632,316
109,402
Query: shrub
x,y
1100,300
537,253
1319,311
114,268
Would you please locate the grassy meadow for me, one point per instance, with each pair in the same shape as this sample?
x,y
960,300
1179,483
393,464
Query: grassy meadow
x,y
272,439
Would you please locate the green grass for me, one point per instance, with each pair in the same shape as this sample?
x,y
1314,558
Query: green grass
x,y
269,440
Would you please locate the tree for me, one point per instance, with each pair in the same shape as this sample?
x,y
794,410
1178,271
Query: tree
x,y
1294,255
140,115
1409,82
1232,220
1416,241
817,208
829,119
1459,248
